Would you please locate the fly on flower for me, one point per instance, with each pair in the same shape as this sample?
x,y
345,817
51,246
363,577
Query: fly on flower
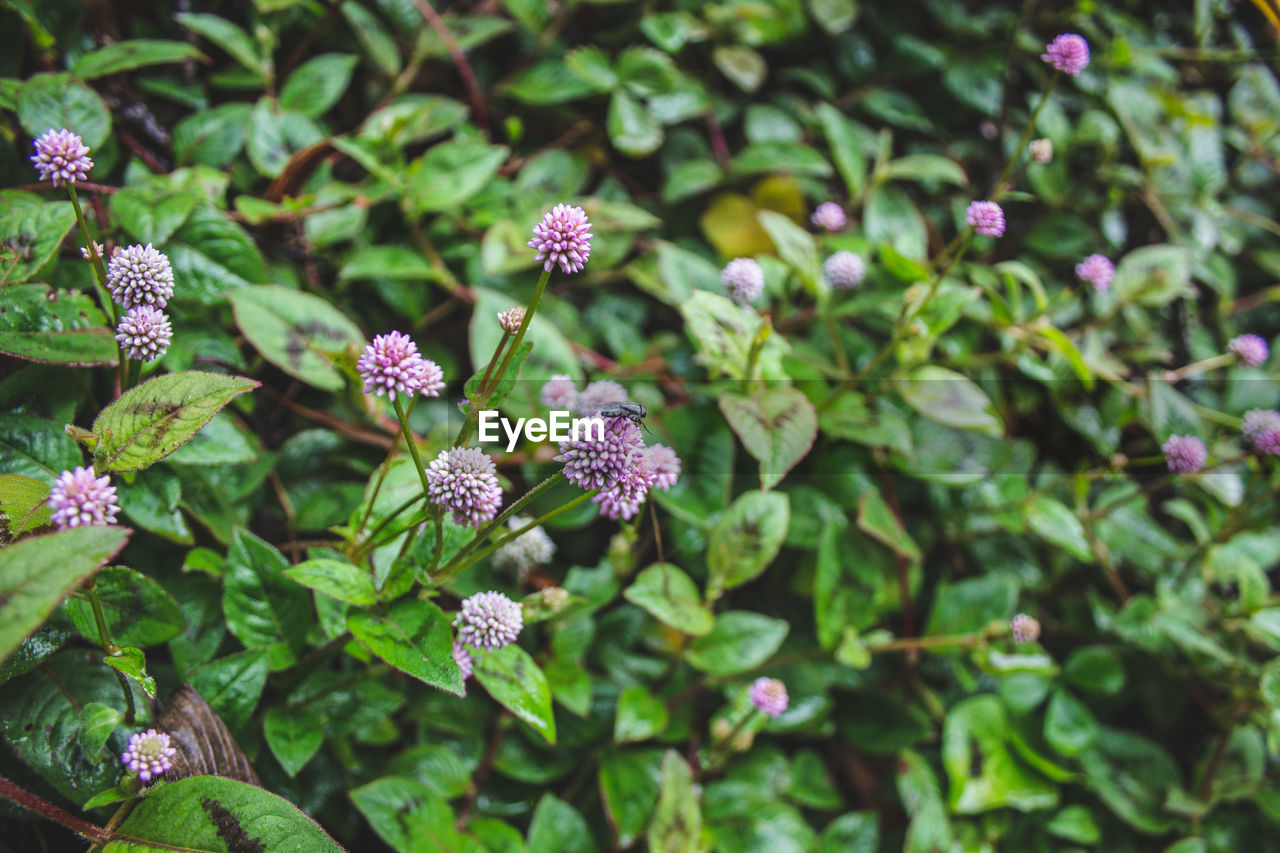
x,y
632,411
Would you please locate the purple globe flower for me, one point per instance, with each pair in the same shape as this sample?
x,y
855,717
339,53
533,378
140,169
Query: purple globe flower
x,y
1185,454
1250,349
599,394
986,217
61,157
1026,629
844,270
769,695
625,497
665,465
463,659
149,754
511,319
144,333
563,237
1041,150
744,280
532,548
591,464
391,365
489,620
140,275
560,394
464,481
830,216
1098,271
1258,421
79,499
1069,53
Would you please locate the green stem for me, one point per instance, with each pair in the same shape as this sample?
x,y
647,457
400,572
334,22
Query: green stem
x,y
1000,189
524,325
100,282
413,446
516,534
104,639
382,525
520,504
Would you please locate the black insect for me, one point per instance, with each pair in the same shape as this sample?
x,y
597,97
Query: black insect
x,y
632,411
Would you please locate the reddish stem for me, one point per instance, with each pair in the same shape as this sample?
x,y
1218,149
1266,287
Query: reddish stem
x,y
31,802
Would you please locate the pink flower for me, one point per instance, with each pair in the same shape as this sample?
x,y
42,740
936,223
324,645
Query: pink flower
x,y
489,620
61,157
1069,53
591,464
559,393
1041,150
145,333
79,499
511,319
769,695
463,659
391,365
844,270
986,217
1250,349
830,216
149,754
599,394
666,465
1098,271
1026,629
140,275
464,481
1185,454
563,237
1258,421
744,280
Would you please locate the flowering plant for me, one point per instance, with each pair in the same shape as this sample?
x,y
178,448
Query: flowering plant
x,y
933,501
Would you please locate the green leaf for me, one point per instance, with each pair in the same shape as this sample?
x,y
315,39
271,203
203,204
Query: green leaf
x,y
132,54
413,118
926,167
777,426
136,609
373,36
232,685
98,721
226,35
152,211
548,82
876,519
35,448
414,637
1133,776
317,84
677,821
929,829
514,680
1054,522
450,173
671,597
268,138
632,129
43,720
212,137
388,263
213,813
37,572
952,399
211,255
1096,669
1069,725
592,66
983,773
262,607
335,578
970,604
629,784
740,641
746,539
294,736
641,715
742,65
54,327
796,246
39,227
853,832
557,827
846,148
56,101
293,330
723,332
149,422
409,816
133,663
24,503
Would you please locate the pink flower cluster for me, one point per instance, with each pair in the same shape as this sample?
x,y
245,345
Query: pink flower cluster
x,y
392,364
149,754
563,237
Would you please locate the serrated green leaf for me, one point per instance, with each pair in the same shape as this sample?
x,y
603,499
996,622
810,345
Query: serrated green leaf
x,y
414,637
514,681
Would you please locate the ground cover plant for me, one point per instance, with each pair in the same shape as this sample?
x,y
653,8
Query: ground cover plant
x,y
934,503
